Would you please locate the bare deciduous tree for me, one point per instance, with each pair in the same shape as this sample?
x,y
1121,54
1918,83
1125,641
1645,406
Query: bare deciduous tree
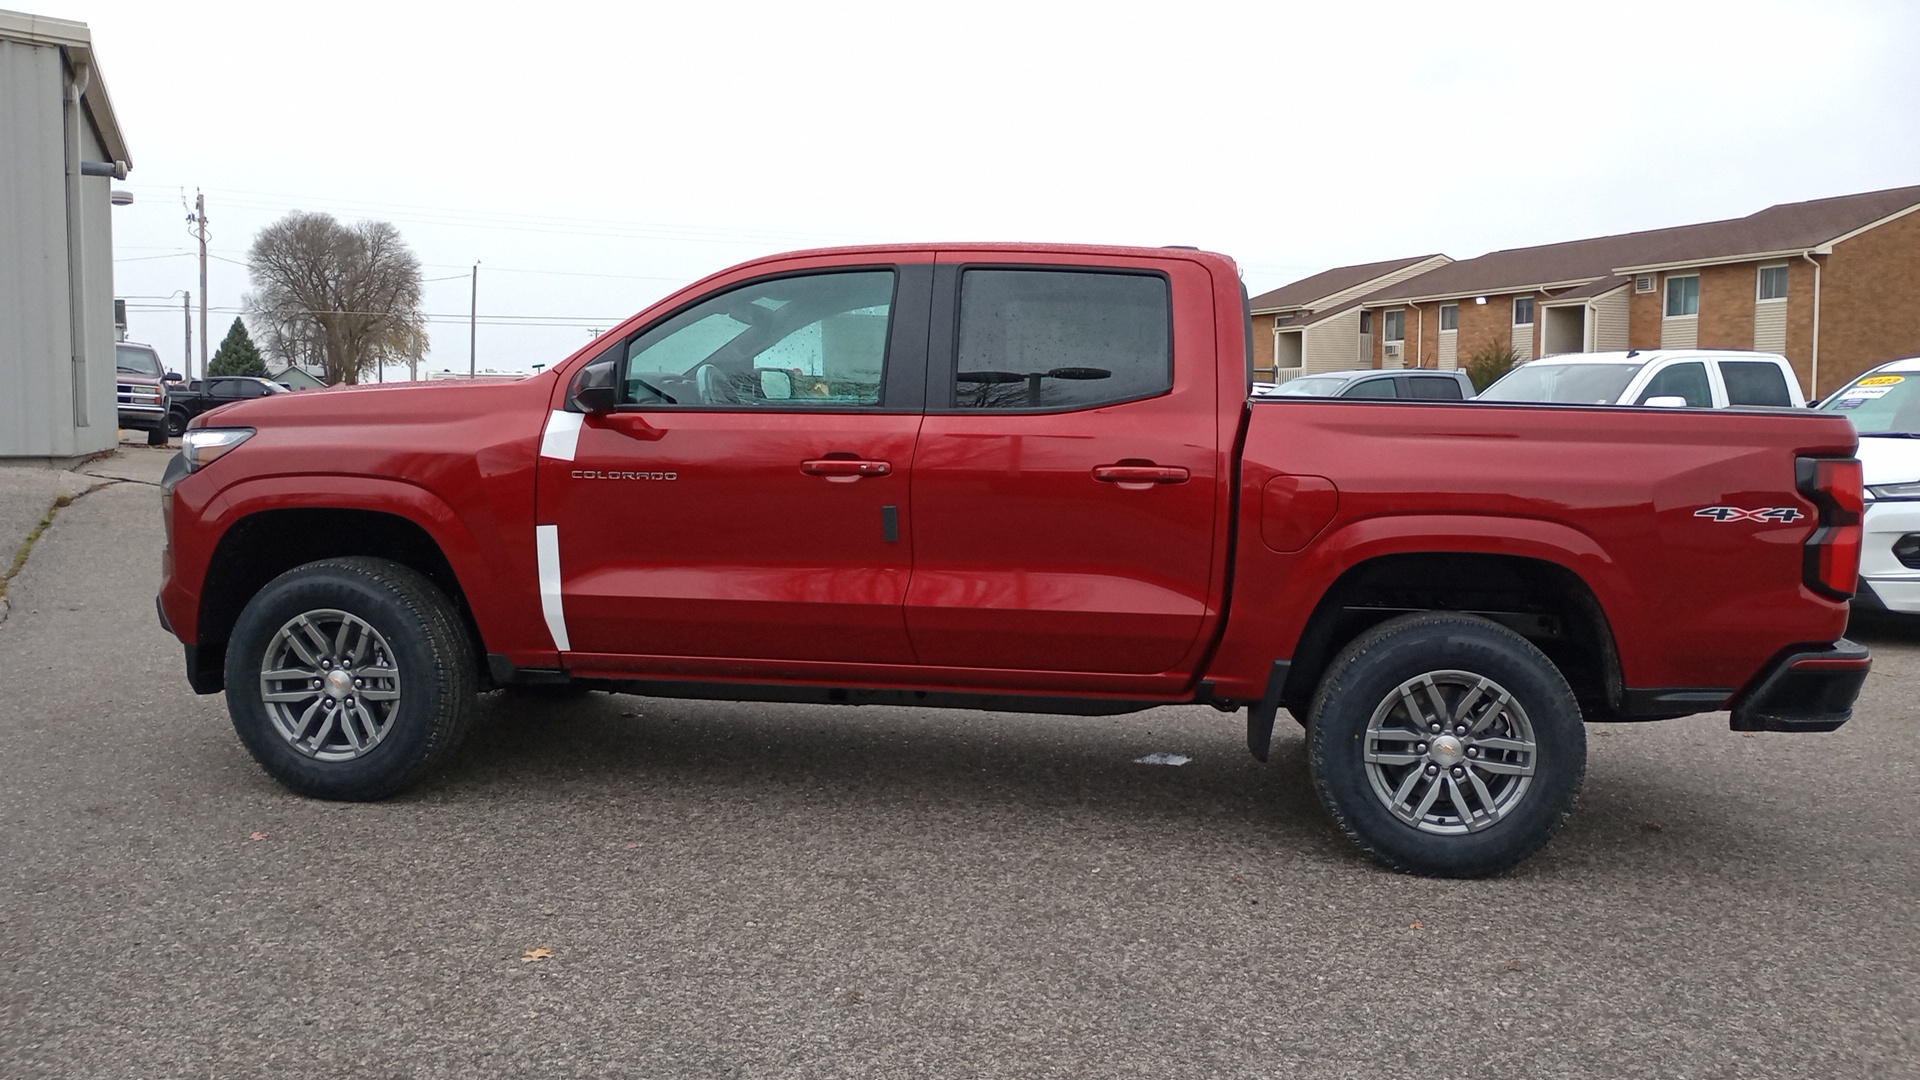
x,y
342,298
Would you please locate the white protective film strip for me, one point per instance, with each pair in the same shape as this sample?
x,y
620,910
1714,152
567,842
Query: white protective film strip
x,y
563,434
546,546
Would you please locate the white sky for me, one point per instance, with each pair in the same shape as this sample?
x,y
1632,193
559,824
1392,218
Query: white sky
x,y
595,157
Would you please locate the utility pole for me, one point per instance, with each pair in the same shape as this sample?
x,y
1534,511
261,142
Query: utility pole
x,y
199,220
186,324
473,323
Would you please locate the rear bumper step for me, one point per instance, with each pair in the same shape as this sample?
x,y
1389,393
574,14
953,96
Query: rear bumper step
x,y
1805,689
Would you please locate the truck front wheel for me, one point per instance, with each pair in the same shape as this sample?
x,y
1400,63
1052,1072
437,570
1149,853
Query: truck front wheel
x,y
350,678
1446,744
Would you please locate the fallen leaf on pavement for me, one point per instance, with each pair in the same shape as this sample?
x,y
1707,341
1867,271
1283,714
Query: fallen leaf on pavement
x,y
534,956
1416,926
1653,826
1511,965
258,836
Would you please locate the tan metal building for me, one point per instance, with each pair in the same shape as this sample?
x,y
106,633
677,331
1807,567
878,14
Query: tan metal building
x,y
60,148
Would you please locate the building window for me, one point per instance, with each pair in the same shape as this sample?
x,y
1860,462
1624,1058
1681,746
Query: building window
x,y
1683,295
1449,316
1523,311
1397,325
1773,283
1366,322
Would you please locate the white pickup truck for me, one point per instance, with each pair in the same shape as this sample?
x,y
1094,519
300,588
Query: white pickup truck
x,y
1675,378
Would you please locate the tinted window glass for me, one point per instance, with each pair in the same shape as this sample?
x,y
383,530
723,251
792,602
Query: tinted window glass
x,y
1523,311
1372,388
1683,295
796,342
1428,388
223,388
1688,380
1051,339
1751,382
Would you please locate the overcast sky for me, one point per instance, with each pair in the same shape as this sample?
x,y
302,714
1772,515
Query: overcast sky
x,y
594,158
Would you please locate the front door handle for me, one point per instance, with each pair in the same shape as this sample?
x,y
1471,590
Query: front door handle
x,y
844,470
1139,477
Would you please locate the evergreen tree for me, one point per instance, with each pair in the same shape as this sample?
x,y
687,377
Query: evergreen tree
x,y
237,354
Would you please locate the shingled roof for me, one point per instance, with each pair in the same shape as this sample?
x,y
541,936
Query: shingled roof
x,y
1304,292
1788,228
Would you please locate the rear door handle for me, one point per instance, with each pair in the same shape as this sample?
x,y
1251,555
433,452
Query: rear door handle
x,y
1140,477
845,470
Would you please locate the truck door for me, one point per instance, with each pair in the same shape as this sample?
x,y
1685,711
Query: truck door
x,y
1064,489
746,497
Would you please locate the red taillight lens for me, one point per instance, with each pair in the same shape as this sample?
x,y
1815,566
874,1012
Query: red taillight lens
x,y
1833,551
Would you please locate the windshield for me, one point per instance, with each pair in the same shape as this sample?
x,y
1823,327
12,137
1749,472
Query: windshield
x,y
137,361
1880,404
1311,386
1567,384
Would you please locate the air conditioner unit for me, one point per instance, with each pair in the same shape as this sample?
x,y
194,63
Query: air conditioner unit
x,y
1643,283
1392,350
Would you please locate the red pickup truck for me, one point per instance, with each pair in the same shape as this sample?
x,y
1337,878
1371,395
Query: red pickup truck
x,y
1015,477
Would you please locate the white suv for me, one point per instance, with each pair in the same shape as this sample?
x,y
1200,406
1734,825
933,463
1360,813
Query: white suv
x,y
1884,405
1677,378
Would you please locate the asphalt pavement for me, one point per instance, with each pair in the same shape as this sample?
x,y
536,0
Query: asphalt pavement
x,y
624,886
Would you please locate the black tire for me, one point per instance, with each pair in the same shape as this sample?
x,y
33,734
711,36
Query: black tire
x,y
177,423
435,685
157,436
1365,681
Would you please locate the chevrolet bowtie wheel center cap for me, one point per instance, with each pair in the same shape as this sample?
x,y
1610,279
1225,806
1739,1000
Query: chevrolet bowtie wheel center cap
x,y
1447,750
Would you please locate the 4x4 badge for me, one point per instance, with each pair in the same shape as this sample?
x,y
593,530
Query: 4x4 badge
x,y
1781,514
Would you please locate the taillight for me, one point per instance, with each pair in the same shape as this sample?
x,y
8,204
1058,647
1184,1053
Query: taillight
x,y
1834,485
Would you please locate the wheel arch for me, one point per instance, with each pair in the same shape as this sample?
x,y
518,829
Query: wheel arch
x,y
265,538
1544,600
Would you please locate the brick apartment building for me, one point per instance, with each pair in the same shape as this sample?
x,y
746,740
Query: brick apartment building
x,y
1832,284
1314,323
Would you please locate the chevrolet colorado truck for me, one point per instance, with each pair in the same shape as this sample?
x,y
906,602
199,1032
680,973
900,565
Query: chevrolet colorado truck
x,y
1015,477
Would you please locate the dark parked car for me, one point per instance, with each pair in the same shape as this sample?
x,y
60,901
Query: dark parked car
x,y
203,394
1410,384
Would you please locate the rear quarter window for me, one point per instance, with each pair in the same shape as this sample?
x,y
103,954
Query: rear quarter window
x,y
1431,388
1755,382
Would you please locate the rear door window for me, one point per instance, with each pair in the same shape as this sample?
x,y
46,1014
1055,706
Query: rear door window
x,y
1755,382
1373,388
1056,340
1688,380
1434,388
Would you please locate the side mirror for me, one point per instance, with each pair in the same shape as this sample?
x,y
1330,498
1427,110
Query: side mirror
x,y
1666,401
776,385
172,376
593,391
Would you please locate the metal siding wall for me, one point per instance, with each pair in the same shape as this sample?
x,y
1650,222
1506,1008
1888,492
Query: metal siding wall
x,y
1332,344
1523,336
96,232
1770,326
36,406
1610,318
1680,332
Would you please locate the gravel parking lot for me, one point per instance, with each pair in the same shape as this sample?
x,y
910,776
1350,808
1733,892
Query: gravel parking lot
x,y
628,886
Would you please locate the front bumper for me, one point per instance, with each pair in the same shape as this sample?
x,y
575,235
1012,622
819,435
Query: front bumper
x,y
141,419
1807,688
1885,582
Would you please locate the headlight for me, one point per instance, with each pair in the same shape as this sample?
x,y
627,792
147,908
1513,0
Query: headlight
x,y
200,446
1895,491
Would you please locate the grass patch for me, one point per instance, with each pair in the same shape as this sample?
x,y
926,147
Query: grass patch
x,y
20,557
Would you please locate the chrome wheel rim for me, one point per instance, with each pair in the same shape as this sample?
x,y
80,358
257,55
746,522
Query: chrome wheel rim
x,y
330,685
1450,752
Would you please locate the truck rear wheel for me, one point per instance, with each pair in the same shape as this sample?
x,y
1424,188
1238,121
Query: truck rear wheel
x,y
350,678
157,435
1446,744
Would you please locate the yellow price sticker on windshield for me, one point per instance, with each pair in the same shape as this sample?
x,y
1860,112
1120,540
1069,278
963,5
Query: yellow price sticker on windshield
x,y
1881,380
